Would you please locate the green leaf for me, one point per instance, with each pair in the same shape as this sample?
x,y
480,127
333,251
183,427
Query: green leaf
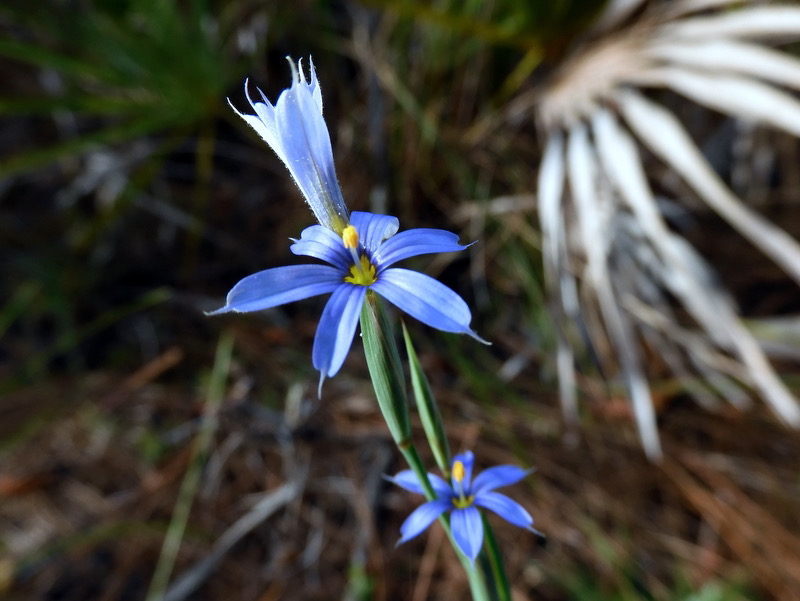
x,y
428,409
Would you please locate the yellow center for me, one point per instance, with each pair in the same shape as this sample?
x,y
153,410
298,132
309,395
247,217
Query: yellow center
x,y
462,503
361,274
458,472
362,271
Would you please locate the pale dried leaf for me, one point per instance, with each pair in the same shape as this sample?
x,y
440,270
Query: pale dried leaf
x,y
667,139
550,191
730,55
771,22
679,8
615,12
581,169
736,96
661,131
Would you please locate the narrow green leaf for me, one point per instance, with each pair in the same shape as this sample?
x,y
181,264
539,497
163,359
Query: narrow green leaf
x,y
428,408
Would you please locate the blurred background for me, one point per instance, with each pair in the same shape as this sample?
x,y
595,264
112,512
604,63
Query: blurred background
x,y
150,452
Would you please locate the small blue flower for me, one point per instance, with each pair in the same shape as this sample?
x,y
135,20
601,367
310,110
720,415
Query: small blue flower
x,y
462,496
359,260
295,130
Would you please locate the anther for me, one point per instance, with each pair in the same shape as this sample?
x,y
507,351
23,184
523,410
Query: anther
x,y
350,237
458,472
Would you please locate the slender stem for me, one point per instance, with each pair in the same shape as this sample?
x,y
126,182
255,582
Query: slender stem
x,y
499,577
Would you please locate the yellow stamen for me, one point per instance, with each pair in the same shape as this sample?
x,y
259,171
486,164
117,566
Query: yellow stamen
x,y
363,273
458,471
350,237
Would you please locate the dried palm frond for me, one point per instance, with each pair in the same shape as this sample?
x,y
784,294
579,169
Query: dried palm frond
x,y
613,265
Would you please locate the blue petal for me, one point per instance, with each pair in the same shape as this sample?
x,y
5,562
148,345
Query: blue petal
x,y
411,243
509,510
263,121
467,459
322,243
336,328
306,150
467,528
421,518
373,229
281,285
295,130
495,477
408,480
425,299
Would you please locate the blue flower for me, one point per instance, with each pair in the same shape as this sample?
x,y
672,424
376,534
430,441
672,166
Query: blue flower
x,y
359,249
295,130
462,496
359,260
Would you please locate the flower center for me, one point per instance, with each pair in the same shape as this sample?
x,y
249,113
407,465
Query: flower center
x,y
462,502
458,473
362,271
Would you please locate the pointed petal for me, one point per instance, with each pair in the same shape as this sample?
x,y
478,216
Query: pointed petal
x,y
336,328
411,243
506,508
425,299
467,459
373,229
408,480
316,93
495,477
321,242
263,122
421,518
281,285
467,528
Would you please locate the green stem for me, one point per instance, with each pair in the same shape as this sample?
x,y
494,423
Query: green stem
x,y
492,549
